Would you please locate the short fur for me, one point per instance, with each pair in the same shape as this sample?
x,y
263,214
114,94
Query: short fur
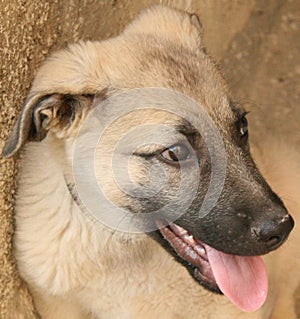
x,y
78,269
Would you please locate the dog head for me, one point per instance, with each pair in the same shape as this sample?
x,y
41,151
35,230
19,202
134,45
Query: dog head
x,y
161,53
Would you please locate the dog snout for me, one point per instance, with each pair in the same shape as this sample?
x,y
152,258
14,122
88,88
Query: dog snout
x,y
273,233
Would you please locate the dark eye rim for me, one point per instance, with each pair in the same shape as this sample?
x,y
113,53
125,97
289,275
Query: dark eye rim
x,y
243,123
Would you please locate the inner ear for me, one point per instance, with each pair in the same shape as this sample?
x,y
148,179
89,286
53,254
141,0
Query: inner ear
x,y
56,112
39,115
42,116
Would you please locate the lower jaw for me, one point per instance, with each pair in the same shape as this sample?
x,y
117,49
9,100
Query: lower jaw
x,y
211,286
190,252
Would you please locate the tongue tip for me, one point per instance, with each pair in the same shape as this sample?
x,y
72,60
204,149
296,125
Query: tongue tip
x,y
253,301
243,280
252,305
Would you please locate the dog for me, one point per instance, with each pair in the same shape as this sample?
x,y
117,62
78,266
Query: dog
x,y
150,100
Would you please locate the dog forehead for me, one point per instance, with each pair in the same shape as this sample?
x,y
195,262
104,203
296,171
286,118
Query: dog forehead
x,y
137,61
147,62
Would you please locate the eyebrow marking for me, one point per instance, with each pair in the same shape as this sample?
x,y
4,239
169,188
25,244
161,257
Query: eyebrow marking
x,y
186,129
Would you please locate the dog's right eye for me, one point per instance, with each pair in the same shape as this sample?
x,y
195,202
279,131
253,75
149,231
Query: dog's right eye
x,y
243,126
176,153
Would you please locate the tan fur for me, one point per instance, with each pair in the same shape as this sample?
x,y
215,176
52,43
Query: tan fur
x,y
80,270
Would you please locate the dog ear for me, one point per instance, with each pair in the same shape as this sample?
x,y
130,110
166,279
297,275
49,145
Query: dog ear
x,y
42,113
65,86
174,25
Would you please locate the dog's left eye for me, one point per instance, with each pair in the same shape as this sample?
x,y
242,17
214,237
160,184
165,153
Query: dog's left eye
x,y
243,127
176,153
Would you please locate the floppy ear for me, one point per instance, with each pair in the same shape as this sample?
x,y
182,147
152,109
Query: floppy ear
x,y
173,24
42,113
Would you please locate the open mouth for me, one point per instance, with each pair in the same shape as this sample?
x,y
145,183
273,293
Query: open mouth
x,y
242,279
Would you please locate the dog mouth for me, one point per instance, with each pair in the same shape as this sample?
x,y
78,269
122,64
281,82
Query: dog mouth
x,y
242,279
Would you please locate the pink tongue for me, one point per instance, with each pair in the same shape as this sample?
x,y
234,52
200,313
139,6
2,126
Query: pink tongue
x,y
243,280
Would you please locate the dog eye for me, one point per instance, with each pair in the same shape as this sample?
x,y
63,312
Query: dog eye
x,y
243,126
176,153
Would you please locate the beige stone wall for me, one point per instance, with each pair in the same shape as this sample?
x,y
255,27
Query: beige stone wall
x,y
257,43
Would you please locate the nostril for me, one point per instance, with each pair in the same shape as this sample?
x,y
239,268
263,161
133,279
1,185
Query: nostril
x,y
271,238
273,234
273,241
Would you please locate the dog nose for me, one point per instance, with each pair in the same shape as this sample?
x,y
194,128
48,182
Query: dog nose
x,y
274,233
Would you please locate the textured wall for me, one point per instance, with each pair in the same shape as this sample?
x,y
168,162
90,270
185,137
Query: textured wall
x,y
257,43
262,66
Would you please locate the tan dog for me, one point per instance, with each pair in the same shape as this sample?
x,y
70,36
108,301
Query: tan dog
x,y
78,267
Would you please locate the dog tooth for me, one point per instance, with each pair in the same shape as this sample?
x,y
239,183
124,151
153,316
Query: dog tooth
x,y
189,239
181,230
199,249
191,253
